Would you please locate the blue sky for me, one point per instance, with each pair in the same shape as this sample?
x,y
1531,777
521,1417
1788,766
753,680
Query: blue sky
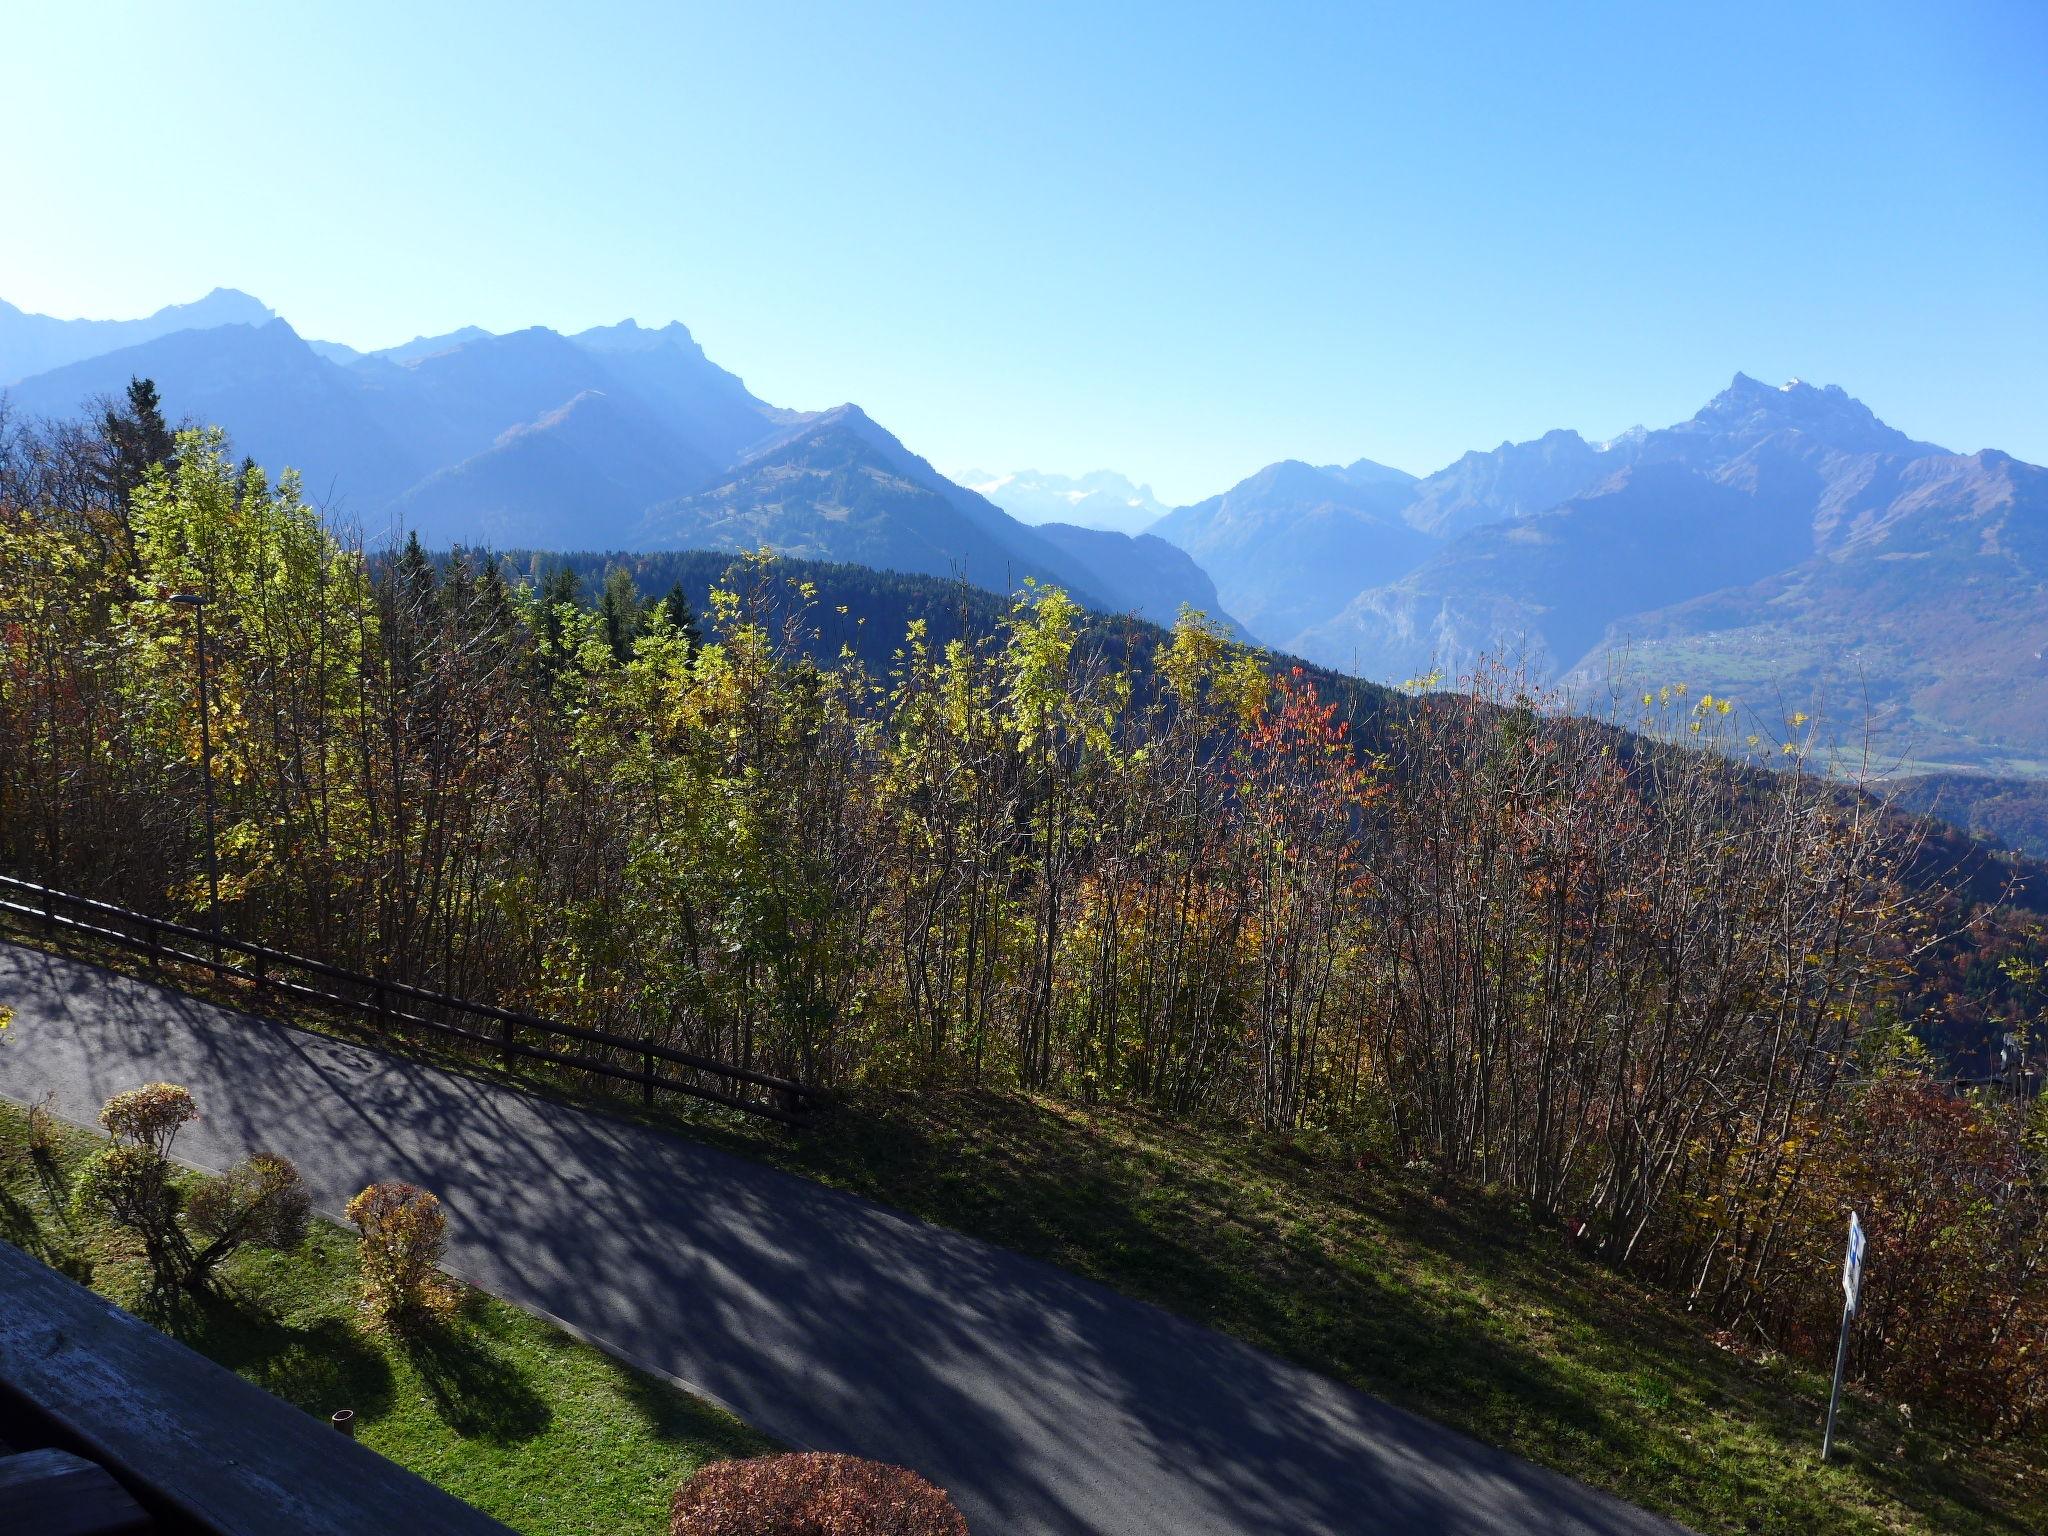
x,y
1180,241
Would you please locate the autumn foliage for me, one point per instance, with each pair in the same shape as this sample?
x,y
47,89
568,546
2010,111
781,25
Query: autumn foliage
x,y
1953,1199
261,1200
149,1117
1628,979
185,1234
811,1495
131,1187
403,1229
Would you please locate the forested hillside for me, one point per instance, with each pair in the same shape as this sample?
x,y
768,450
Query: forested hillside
x,y
1651,994
844,607
2008,813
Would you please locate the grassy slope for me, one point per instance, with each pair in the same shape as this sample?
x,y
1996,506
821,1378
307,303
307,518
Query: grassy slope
x,y
1447,1303
536,1428
1441,1300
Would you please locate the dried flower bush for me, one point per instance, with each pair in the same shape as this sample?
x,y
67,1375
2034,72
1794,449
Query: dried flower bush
x,y
811,1494
403,1229
149,1116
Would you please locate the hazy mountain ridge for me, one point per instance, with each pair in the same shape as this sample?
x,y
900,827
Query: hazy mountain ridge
x,y
840,486
32,344
1783,544
1924,604
1527,588
609,453
1153,577
1528,478
1782,541
619,435
828,491
404,352
1293,543
1367,475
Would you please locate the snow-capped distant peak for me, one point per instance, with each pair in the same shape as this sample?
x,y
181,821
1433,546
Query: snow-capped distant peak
x,y
982,482
1100,499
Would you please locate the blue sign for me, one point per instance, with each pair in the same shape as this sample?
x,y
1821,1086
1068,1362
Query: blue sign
x,y
1852,1262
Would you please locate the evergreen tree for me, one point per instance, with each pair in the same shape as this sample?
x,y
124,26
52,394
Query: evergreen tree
x,y
251,484
495,613
415,571
133,436
682,618
561,586
559,590
618,610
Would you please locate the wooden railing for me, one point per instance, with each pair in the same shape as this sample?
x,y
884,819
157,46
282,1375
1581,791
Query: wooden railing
x,y
204,1452
396,1004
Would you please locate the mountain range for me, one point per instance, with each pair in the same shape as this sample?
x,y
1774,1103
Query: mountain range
x,y
1294,542
32,344
618,437
1782,544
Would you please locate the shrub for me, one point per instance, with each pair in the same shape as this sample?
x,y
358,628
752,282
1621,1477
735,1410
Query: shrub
x,y
1955,1298
149,1116
811,1495
260,1202
42,1131
131,1187
403,1230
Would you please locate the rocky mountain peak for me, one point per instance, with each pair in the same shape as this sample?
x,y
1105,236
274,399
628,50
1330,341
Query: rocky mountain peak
x,y
1748,410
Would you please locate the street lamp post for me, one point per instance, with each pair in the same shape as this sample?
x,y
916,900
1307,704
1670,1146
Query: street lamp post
x,y
197,604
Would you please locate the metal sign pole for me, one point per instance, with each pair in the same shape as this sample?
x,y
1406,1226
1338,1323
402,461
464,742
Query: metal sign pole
x,y
1852,1284
1827,1439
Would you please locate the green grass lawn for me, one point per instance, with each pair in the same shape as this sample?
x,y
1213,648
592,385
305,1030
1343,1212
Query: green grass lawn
x,y
528,1424
1443,1300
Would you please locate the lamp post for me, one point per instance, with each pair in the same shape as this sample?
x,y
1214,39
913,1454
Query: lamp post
x,y
198,604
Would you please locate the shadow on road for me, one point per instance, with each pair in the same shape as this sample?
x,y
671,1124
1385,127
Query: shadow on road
x,y
1040,1401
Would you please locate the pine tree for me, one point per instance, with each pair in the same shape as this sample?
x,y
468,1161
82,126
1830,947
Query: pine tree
x,y
134,436
618,610
561,586
682,618
495,613
416,577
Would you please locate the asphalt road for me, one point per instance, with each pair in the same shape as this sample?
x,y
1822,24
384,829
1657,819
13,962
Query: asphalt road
x,y
1041,1402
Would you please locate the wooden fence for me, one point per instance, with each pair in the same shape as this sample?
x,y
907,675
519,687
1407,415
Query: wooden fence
x,y
507,1031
